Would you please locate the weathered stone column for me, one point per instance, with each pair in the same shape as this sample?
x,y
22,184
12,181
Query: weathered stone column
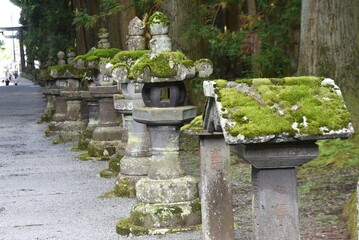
x,y
216,196
275,198
107,135
55,126
135,163
50,101
215,186
93,118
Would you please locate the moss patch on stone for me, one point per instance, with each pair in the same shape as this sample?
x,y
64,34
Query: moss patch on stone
x,y
158,18
113,169
162,65
195,125
126,227
96,54
125,56
288,105
124,188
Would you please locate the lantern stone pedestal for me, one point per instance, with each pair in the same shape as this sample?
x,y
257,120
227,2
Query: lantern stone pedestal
x,y
92,115
108,133
75,121
167,199
135,163
56,125
50,101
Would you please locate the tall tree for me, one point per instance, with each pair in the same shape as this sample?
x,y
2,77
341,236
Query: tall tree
x,y
329,46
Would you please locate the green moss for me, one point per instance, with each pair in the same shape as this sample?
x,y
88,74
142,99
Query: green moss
x,y
162,65
221,83
195,125
124,188
158,17
299,99
126,227
96,54
84,157
350,215
124,56
196,206
336,153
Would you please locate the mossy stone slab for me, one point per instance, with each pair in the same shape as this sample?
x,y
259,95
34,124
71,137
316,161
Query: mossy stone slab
x,y
279,109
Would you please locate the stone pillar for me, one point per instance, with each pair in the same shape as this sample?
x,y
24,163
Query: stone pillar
x,y
216,196
135,163
167,199
75,121
50,101
93,118
108,134
56,125
275,203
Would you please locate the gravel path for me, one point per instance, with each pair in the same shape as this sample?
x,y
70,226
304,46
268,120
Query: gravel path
x,y
45,191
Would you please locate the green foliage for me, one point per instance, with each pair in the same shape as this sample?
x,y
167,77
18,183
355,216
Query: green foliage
x,y
45,36
337,154
83,19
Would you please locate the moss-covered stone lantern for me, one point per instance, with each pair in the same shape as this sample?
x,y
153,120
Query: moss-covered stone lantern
x,y
274,124
69,78
107,136
167,198
135,163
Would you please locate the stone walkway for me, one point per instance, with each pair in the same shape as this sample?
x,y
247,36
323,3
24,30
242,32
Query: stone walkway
x,y
45,191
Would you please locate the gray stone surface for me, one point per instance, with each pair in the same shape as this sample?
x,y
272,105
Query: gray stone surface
x,y
45,191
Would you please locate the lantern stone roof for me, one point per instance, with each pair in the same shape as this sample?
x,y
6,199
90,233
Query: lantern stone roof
x,y
276,109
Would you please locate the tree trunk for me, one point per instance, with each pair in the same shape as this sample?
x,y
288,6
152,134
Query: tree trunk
x,y
329,46
180,12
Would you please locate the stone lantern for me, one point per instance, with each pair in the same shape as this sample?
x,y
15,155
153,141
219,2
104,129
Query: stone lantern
x,y
136,161
107,135
167,198
75,121
273,124
56,72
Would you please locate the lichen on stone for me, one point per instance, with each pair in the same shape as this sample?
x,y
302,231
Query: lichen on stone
x,y
291,105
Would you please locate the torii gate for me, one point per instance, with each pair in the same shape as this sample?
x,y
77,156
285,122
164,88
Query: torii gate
x,y
20,30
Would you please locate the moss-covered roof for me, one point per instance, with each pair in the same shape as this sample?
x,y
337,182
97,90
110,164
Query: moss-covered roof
x,y
161,65
158,17
58,71
291,106
124,56
96,54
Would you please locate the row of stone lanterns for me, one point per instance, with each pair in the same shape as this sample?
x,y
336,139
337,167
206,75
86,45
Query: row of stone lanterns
x,y
238,114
